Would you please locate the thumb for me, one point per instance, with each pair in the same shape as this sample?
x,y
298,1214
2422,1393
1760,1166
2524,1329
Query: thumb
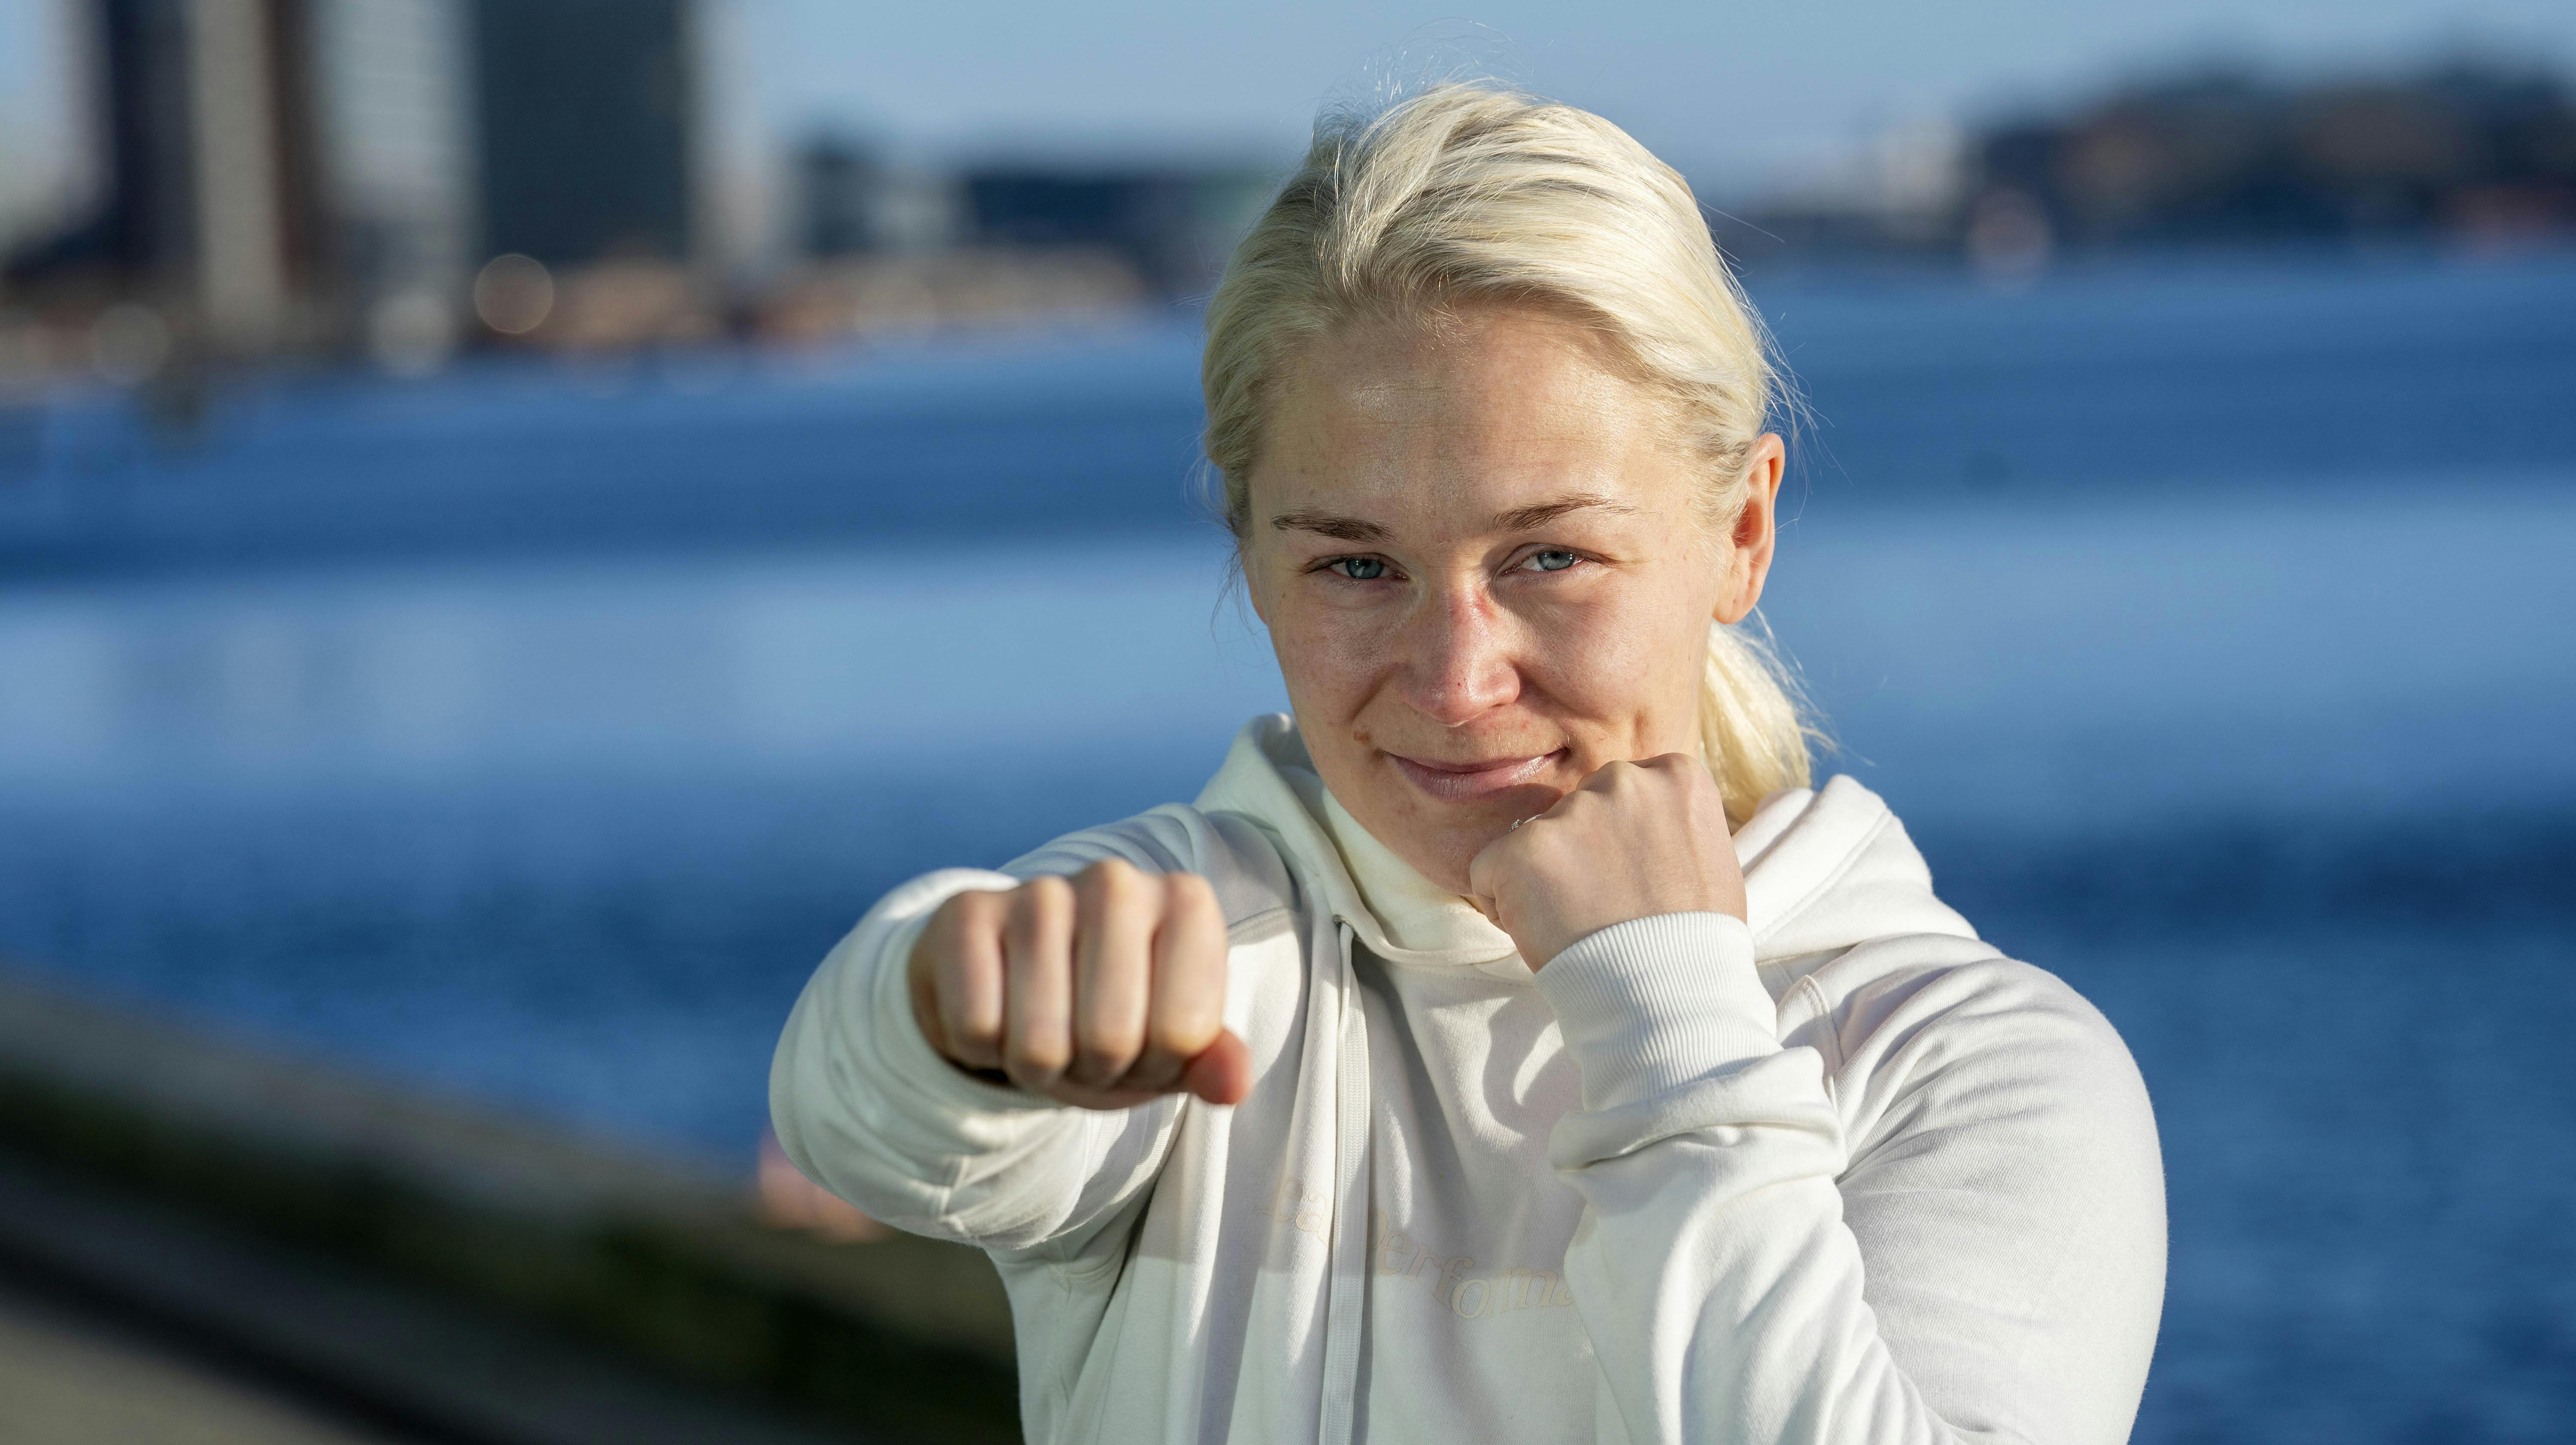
x,y
1221,1073
1483,874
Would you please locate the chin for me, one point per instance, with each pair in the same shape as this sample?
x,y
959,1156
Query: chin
x,y
1458,849
1441,836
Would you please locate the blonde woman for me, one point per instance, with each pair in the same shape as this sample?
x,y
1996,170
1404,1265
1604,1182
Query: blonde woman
x,y
1513,1045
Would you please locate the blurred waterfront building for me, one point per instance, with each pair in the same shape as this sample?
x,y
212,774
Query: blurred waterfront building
x,y
2481,155
2477,157
892,247
853,200
390,80
584,109
1175,226
1900,191
273,173
297,174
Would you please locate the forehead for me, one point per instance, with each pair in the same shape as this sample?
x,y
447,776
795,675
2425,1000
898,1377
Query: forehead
x,y
1441,425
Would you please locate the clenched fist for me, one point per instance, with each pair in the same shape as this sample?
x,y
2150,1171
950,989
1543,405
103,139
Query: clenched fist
x,y
1102,990
1634,840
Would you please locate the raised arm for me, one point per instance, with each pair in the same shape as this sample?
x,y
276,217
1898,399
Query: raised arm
x,y
1938,1217
1957,1234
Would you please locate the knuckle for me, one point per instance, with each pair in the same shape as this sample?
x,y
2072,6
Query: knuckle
x,y
1116,1039
1110,881
1034,1058
1190,900
1044,901
1105,1057
981,1050
1178,1036
958,915
977,914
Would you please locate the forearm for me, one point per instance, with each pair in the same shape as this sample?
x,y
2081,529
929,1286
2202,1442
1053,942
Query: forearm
x,y
2004,1201
1723,1292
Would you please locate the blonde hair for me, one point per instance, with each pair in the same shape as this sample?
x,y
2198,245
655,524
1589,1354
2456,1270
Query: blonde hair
x,y
1469,194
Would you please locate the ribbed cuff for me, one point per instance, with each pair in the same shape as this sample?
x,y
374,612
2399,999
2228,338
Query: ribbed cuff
x,y
1654,1003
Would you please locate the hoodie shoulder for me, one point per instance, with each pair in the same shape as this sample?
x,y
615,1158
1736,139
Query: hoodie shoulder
x,y
1831,869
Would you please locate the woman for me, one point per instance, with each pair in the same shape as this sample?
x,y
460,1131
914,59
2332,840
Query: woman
x,y
1513,1046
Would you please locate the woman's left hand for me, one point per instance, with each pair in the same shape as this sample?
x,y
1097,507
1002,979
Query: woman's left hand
x,y
1634,840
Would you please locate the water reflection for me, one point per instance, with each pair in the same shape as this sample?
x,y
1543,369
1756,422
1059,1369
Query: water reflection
x,y
671,665
1979,659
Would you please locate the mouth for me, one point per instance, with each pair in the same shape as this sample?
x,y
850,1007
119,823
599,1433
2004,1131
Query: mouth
x,y
1474,780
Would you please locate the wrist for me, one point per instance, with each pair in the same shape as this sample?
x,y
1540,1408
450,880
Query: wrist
x,y
1542,942
1649,1004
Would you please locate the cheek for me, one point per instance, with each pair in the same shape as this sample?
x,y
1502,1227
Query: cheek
x,y
1325,656
1630,667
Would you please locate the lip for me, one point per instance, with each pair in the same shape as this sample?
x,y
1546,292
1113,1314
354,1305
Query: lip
x,y
1467,782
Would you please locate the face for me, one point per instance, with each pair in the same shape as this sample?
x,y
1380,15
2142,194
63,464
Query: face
x,y
1487,569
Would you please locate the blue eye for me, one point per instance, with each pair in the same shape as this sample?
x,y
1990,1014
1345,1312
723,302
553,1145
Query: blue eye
x,y
1359,569
1552,559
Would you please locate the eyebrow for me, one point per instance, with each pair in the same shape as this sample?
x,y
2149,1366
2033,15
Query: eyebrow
x,y
1346,529
1518,519
1523,519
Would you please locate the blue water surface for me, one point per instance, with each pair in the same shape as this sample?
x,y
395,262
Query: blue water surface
x,y
529,733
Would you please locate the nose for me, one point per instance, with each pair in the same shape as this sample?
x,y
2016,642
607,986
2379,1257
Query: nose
x,y
1458,657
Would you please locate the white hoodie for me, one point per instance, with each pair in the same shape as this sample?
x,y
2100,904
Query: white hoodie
x,y
1844,1174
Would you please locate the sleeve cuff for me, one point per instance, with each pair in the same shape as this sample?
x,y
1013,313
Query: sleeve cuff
x,y
1651,1004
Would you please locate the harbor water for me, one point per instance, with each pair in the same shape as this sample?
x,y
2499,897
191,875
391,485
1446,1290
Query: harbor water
x,y
530,732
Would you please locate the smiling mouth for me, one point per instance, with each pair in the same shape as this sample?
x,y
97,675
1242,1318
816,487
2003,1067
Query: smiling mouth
x,y
1470,781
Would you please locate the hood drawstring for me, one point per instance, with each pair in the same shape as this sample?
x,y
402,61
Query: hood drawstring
x,y
1344,1309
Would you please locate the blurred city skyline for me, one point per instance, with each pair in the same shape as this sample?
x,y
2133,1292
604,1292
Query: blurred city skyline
x,y
185,182
1153,80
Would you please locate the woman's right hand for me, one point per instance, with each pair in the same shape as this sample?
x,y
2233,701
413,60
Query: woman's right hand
x,y
1102,990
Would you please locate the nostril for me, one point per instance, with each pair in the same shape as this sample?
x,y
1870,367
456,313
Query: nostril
x,y
1462,668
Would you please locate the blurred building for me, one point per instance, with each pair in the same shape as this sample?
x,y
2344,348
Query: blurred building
x,y
584,111
273,172
1176,227
893,247
856,201
390,80
287,174
2483,155
2470,156
1899,192
1172,226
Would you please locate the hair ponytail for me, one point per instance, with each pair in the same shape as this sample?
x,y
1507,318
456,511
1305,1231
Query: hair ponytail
x,y
1753,720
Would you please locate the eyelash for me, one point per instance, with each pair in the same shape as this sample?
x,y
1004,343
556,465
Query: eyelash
x,y
1335,565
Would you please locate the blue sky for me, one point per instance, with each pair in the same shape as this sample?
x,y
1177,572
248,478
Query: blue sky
x,y
1739,95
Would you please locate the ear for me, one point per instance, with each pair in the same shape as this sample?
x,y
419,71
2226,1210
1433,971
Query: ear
x,y
1757,529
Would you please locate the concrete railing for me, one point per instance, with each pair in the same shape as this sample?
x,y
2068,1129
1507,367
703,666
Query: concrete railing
x,y
899,1337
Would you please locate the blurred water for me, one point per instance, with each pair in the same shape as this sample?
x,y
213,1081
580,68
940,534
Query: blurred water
x,y
2209,628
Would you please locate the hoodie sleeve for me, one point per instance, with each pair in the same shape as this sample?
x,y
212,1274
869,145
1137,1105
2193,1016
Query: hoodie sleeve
x,y
866,1107
1943,1219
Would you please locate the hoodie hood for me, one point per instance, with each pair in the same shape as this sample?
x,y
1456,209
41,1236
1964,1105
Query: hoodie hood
x,y
1824,868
